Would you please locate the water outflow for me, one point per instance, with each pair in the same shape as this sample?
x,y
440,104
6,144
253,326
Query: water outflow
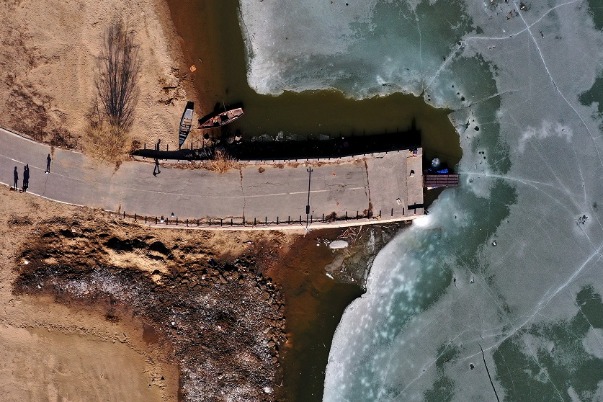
x,y
497,293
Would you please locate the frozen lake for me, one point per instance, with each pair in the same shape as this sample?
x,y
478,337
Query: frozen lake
x,y
497,293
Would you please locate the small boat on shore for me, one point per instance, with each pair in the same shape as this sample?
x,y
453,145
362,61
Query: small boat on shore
x,y
186,123
221,119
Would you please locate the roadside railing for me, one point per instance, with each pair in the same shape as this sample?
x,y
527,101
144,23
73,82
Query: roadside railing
x,y
299,221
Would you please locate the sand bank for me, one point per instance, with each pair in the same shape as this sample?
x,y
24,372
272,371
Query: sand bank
x,y
50,351
190,313
49,50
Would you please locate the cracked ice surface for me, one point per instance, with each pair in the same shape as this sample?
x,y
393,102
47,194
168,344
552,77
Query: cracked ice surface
x,y
511,260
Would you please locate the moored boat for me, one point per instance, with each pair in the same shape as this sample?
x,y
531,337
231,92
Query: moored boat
x,y
221,119
186,123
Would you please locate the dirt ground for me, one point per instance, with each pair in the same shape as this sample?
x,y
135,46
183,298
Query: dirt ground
x,y
48,53
94,308
45,364
50,351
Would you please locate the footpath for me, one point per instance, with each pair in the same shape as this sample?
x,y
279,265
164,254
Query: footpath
x,y
371,188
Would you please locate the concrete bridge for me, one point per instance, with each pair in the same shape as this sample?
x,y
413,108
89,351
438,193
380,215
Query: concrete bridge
x,y
347,191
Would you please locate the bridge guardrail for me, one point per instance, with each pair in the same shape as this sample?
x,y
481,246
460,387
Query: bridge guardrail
x,y
243,223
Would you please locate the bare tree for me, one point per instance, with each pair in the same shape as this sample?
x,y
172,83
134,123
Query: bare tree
x,y
116,83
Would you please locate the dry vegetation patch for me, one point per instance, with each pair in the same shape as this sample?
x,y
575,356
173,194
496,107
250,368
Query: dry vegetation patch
x,y
49,51
219,315
221,162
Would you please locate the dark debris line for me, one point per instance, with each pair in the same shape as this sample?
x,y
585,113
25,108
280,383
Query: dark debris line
x,y
488,371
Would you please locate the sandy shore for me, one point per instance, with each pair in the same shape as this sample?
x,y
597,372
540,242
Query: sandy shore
x,y
95,308
50,351
48,53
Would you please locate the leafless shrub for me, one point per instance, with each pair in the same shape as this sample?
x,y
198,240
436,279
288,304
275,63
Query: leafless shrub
x,y
116,83
112,112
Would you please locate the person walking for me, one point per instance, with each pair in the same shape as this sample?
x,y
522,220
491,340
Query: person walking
x,y
48,160
156,170
16,179
25,178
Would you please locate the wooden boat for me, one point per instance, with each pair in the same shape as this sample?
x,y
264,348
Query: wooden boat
x,y
186,123
222,119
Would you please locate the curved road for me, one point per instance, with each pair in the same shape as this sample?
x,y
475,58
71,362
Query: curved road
x,y
383,182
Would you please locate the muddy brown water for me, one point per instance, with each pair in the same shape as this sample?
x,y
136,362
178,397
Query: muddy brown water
x,y
212,42
314,304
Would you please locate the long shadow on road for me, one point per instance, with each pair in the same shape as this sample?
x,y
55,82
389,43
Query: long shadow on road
x,y
308,149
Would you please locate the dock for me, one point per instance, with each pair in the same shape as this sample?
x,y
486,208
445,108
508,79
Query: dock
x,y
432,181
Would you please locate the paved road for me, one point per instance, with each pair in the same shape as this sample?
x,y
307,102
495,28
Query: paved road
x,y
383,184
